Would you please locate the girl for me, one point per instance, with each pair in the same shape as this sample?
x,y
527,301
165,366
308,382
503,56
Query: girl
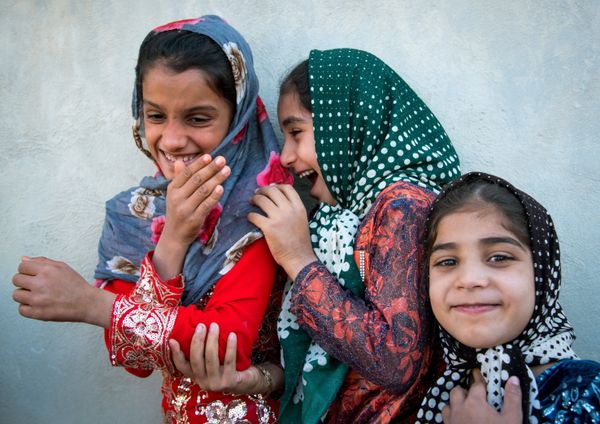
x,y
494,279
355,328
196,104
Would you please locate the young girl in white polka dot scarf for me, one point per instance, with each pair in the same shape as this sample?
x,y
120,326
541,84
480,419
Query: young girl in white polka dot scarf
x,y
494,279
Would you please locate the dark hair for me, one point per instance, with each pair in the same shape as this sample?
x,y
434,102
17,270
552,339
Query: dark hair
x,y
180,50
297,82
477,196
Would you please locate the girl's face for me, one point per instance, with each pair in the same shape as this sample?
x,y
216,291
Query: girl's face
x,y
183,117
298,150
481,281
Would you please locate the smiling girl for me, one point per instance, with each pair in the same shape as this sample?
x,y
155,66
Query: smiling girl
x,y
355,327
494,280
181,235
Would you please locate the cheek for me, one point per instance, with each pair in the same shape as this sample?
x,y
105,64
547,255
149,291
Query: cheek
x,y
436,296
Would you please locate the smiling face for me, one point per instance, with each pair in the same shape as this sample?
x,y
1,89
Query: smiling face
x,y
183,117
299,151
481,281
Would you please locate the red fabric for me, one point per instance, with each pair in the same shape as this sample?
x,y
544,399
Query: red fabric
x,y
237,304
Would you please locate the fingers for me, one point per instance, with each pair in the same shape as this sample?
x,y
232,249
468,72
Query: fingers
x,y
211,352
457,395
183,172
446,413
202,182
197,352
512,410
476,376
179,359
230,357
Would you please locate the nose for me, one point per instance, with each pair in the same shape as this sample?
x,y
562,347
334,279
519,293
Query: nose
x,y
471,276
288,154
173,136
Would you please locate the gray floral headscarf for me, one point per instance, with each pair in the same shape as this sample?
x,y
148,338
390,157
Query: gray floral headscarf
x,y
135,217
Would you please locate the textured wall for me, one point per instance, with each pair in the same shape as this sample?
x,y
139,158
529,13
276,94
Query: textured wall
x,y
516,86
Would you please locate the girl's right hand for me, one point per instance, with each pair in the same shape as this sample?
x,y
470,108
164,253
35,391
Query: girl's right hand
x,y
191,195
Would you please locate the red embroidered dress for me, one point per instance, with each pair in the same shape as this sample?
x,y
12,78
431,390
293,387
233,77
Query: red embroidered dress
x,y
387,339
147,315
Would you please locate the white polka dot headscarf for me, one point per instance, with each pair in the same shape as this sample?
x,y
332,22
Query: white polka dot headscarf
x,y
547,338
371,130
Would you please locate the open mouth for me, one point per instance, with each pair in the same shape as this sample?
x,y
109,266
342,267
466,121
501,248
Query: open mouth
x,y
309,173
187,159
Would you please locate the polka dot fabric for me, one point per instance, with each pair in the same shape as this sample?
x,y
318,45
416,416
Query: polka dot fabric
x,y
371,130
547,338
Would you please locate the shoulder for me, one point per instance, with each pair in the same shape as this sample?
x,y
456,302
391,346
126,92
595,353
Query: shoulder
x,y
574,382
404,195
400,201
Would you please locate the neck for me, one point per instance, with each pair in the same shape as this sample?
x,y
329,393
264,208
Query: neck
x,y
538,369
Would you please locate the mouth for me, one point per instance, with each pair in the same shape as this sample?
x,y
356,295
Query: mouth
x,y
309,173
475,308
187,159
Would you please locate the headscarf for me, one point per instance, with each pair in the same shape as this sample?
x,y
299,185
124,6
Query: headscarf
x,y
547,337
371,130
135,217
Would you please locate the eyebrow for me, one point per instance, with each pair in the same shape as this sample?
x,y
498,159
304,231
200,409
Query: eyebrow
x,y
292,120
200,108
488,241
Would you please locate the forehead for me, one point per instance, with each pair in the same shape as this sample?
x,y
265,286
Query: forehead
x,y
289,105
473,224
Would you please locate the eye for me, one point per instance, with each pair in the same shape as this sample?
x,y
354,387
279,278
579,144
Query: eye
x,y
295,131
154,117
198,120
500,258
445,262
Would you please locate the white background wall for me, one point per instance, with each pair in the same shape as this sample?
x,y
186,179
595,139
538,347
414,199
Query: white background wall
x,y
516,85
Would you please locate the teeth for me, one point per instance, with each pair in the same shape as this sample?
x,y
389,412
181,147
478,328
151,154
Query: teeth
x,y
305,174
173,158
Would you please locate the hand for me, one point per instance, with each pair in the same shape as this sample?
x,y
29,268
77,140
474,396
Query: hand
x,y
472,406
191,195
285,226
205,367
49,290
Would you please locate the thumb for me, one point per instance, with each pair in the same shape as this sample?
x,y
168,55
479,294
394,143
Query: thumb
x,y
512,410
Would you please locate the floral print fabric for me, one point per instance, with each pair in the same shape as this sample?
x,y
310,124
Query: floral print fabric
x,y
371,130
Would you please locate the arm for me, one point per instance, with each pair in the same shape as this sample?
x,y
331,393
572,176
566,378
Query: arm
x,y
386,336
139,333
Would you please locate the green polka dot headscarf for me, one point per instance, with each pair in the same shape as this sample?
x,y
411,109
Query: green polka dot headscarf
x,y
371,130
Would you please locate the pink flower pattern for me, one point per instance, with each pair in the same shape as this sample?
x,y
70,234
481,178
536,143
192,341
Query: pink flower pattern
x,y
157,226
274,173
177,24
240,136
209,224
205,233
261,110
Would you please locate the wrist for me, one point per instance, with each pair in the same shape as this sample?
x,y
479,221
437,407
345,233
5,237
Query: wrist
x,y
294,265
98,307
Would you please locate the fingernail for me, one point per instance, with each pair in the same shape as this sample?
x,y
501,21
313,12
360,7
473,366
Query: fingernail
x,y
200,328
206,158
226,170
220,160
25,258
231,337
514,382
213,327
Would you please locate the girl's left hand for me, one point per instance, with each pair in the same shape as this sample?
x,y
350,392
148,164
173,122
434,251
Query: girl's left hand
x,y
50,290
472,407
285,226
204,366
